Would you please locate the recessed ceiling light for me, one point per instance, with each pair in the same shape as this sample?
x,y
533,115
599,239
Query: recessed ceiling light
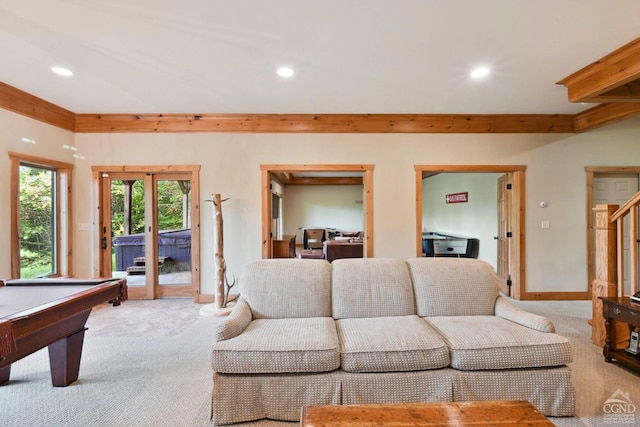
x,y
28,140
61,71
285,72
479,72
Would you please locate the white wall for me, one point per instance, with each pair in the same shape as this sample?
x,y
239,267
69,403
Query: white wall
x,y
322,206
478,218
49,142
555,258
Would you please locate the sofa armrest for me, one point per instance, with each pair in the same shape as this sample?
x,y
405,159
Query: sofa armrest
x,y
509,311
238,320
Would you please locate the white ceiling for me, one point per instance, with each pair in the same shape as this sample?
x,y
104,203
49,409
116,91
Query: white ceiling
x,y
349,56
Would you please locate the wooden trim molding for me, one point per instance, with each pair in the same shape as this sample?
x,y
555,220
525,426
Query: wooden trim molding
x,y
40,161
13,99
558,296
326,123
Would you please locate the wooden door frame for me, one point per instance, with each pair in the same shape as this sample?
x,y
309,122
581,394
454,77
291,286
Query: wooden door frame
x,y
590,172
98,217
517,255
367,182
504,226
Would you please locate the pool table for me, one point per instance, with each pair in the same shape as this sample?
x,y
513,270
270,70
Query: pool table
x,y
51,312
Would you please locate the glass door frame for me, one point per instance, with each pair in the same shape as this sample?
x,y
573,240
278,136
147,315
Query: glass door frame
x,y
103,175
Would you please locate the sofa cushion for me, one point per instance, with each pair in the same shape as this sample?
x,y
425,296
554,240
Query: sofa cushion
x,y
280,346
390,344
491,342
453,286
287,288
371,287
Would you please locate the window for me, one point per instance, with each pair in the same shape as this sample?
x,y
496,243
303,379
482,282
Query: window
x,y
40,217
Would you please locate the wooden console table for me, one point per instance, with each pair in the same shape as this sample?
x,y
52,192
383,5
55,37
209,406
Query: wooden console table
x,y
284,248
621,309
492,413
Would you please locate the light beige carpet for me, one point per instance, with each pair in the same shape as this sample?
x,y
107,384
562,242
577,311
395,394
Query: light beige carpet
x,y
146,363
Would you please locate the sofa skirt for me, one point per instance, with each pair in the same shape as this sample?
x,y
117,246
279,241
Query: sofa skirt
x,y
397,387
548,389
240,398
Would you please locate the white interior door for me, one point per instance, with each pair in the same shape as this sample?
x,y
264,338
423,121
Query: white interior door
x,y
617,189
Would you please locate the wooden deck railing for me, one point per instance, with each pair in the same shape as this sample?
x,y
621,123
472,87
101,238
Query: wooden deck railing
x,y
610,261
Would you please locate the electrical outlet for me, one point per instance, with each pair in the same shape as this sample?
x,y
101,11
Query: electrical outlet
x,y
83,226
545,224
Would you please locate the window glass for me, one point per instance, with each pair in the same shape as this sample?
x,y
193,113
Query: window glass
x,y
37,207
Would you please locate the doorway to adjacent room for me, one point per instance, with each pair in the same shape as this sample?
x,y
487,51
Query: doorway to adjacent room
x,y
333,174
509,219
609,185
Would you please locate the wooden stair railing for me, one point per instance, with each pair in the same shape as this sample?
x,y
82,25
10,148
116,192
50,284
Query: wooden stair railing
x,y
630,208
609,262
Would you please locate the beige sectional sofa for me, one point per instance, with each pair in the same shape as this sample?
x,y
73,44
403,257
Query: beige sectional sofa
x,y
378,330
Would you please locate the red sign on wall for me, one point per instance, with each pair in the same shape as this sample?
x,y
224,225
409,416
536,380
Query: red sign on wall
x,y
458,197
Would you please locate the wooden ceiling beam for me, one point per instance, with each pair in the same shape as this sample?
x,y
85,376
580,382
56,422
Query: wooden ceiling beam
x,y
603,79
326,123
13,99
288,177
629,92
605,114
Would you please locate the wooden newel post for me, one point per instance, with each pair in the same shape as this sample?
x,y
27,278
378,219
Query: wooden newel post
x,y
605,283
218,249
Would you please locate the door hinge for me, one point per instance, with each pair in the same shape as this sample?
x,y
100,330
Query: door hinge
x,y
509,234
509,187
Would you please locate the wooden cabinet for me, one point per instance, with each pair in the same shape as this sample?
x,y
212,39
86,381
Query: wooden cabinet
x,y
284,248
622,310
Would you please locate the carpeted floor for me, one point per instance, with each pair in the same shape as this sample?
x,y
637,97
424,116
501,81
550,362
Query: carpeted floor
x,y
146,363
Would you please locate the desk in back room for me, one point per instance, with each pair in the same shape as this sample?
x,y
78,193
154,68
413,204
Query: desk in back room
x,y
51,312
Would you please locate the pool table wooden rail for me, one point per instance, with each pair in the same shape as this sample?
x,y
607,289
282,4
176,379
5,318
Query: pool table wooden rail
x,y
58,324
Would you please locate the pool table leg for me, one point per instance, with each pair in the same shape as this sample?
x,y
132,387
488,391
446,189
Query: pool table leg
x,y
5,371
64,359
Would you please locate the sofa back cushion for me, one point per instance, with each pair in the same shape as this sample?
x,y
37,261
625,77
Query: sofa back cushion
x,y
371,287
287,288
453,286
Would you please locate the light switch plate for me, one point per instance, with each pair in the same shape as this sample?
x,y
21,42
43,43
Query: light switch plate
x,y
545,224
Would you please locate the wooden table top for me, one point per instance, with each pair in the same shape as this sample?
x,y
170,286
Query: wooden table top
x,y
485,413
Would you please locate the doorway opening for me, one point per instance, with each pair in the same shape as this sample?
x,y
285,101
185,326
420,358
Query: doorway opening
x,y
272,215
145,221
509,221
608,185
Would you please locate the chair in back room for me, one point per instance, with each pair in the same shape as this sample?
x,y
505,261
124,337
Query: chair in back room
x,y
313,238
